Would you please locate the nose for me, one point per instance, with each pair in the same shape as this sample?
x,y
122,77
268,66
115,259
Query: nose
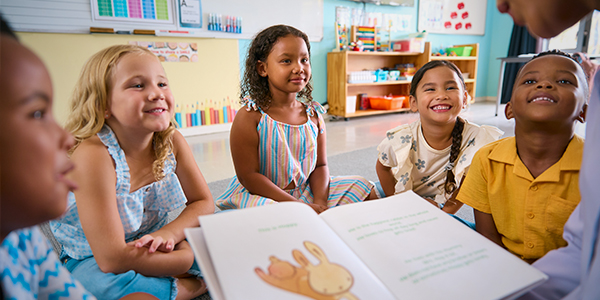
x,y
544,84
66,139
298,69
155,94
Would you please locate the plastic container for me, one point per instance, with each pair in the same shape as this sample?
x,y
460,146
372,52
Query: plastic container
x,y
409,45
387,102
394,74
381,75
460,51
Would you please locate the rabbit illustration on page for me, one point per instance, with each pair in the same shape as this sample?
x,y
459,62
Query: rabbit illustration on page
x,y
324,281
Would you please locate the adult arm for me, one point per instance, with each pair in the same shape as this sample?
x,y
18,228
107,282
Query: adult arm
x,y
244,152
98,212
563,265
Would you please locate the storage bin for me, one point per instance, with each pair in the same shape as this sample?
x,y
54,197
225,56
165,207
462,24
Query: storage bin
x,y
409,45
387,102
460,51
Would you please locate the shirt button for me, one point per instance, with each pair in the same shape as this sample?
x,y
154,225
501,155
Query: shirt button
x,y
529,244
530,215
534,188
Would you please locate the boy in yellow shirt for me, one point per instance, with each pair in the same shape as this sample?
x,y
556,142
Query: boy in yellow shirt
x,y
524,188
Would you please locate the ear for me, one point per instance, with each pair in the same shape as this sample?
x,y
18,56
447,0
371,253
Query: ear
x,y
261,67
316,251
467,99
300,258
413,103
508,112
581,117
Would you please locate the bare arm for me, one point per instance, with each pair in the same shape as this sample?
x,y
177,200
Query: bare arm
x,y
386,178
99,215
199,199
244,152
484,224
319,178
452,205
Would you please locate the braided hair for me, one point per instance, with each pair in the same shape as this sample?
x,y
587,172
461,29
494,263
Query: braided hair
x,y
450,184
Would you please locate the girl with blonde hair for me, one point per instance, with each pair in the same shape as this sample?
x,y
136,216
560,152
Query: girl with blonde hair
x,y
133,168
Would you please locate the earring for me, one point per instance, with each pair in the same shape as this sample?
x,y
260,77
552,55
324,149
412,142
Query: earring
x,y
106,115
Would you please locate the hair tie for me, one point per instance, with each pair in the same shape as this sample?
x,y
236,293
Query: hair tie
x,y
449,166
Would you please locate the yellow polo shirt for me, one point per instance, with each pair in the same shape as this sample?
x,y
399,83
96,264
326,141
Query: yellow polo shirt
x,y
529,213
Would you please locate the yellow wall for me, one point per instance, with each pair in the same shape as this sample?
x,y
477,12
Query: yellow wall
x,y
215,75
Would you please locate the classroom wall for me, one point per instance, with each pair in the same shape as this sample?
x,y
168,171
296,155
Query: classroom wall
x,y
214,76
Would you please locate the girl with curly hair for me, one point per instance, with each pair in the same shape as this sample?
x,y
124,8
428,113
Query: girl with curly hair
x,y
278,141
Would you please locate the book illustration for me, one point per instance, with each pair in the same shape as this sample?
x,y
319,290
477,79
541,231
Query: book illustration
x,y
324,281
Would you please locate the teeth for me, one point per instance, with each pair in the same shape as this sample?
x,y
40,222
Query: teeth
x,y
156,110
441,107
543,99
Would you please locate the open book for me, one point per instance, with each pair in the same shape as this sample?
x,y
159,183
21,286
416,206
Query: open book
x,y
400,247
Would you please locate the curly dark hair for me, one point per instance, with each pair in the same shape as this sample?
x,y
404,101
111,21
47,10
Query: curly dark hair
x,y
253,85
450,184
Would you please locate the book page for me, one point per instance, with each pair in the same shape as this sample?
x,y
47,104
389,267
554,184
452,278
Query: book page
x,y
420,252
284,251
195,237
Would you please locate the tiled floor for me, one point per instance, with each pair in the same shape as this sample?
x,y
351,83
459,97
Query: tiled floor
x,y
214,158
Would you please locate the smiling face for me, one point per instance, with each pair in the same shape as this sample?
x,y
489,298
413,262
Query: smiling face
x,y
551,88
33,147
139,95
439,96
287,67
545,18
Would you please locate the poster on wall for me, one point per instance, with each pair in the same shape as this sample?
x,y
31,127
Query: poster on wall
x,y
171,51
151,11
452,16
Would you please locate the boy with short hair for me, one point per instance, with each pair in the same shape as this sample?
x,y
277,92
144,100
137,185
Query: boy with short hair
x,y
524,188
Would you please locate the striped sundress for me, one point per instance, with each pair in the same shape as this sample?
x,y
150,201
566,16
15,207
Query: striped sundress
x,y
288,153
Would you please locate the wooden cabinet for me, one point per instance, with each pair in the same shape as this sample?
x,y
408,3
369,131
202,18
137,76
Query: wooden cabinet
x,y
340,64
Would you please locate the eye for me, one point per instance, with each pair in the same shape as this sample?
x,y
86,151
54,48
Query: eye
x,y
162,84
565,81
286,61
529,81
451,88
304,60
38,114
429,89
137,85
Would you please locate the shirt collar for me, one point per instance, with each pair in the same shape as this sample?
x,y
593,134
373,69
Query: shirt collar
x,y
506,152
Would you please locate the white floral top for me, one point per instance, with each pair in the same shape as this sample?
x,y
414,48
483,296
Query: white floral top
x,y
421,168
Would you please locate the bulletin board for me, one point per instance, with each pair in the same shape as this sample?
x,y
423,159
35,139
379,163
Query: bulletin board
x,y
77,16
452,16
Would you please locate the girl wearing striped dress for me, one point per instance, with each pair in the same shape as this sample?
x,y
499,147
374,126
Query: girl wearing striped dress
x,y
278,141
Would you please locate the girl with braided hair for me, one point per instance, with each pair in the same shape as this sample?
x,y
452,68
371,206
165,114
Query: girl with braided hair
x,y
431,155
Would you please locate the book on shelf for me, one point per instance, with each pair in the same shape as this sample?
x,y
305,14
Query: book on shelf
x,y
399,247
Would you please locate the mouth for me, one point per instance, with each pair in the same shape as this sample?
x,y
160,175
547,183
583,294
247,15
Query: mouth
x,y
157,110
542,99
504,8
71,185
297,80
441,108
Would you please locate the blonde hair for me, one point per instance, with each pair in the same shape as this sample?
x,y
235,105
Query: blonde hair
x,y
89,103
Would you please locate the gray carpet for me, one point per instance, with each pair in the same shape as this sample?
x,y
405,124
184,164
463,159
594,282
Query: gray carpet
x,y
358,162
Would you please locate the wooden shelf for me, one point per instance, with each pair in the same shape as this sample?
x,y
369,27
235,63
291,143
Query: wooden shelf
x,y
340,64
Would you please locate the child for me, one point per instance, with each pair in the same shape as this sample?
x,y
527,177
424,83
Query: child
x,y
33,187
133,168
278,142
524,188
431,156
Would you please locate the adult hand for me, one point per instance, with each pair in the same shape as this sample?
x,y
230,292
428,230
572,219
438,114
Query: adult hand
x,y
588,66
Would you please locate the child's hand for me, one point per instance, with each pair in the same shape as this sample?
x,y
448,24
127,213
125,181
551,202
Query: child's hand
x,y
163,242
318,207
